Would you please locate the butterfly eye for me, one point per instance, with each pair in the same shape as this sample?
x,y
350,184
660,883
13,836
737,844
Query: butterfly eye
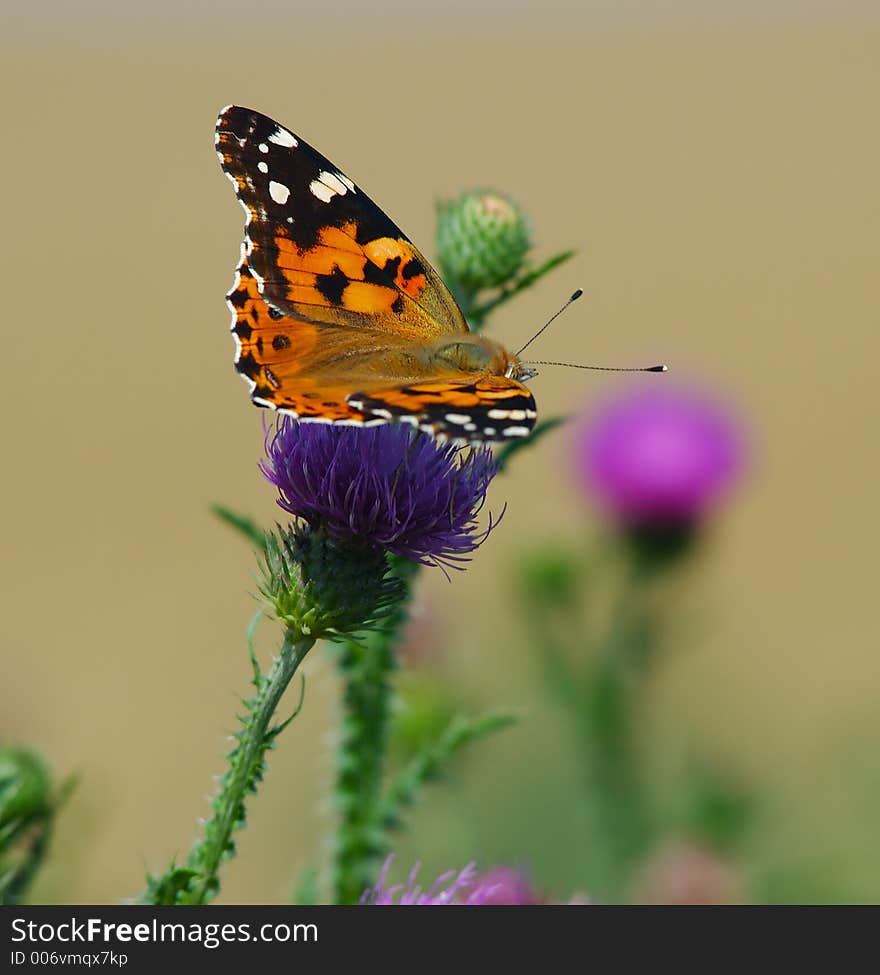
x,y
520,372
467,356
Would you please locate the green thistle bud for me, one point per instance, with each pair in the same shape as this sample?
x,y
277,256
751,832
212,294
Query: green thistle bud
x,y
27,808
482,240
24,789
325,589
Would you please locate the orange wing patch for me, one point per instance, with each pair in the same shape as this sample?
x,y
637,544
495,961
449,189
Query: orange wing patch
x,y
336,272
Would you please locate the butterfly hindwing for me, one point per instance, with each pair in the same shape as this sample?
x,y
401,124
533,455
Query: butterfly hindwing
x,y
317,245
276,356
479,409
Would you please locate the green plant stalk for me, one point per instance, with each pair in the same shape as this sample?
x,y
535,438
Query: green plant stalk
x,y
599,682
614,799
611,698
366,669
247,763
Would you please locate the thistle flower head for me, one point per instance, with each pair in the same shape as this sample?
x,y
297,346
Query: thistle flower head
x,y
462,887
482,240
385,488
660,456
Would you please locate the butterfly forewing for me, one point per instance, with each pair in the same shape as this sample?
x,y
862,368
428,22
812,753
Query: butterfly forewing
x,y
317,244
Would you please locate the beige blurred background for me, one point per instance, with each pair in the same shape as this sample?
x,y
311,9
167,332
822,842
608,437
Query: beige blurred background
x,y
716,167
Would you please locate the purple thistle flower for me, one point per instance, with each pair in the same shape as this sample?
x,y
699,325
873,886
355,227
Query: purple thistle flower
x,y
389,487
450,888
660,456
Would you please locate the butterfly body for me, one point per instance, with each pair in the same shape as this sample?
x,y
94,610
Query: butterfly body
x,y
337,317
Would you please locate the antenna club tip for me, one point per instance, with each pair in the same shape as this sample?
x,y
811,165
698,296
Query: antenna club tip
x,y
663,368
576,295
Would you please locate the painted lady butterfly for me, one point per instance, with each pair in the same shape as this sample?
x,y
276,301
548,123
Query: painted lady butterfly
x,y
337,317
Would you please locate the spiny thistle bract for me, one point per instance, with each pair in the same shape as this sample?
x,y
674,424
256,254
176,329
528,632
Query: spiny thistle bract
x,y
323,588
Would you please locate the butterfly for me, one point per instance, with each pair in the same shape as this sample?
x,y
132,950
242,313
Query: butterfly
x,y
336,315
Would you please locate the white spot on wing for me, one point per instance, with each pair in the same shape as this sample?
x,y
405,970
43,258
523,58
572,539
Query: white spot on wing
x,y
460,419
281,137
507,414
516,431
263,167
321,191
347,181
334,182
279,192
263,147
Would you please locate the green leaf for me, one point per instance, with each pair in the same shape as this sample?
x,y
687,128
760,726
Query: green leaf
x,y
502,458
242,524
527,280
169,888
433,760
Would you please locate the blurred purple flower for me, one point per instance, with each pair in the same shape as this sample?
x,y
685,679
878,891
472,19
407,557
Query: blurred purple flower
x,y
392,488
506,885
659,456
465,887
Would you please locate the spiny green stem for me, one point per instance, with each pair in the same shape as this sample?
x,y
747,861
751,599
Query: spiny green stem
x,y
244,525
366,698
246,769
366,671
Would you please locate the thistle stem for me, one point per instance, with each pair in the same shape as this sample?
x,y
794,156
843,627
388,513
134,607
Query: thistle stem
x,y
612,698
361,841
247,762
366,701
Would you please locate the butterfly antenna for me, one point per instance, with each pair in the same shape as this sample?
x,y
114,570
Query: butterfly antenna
x,y
544,327
573,365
